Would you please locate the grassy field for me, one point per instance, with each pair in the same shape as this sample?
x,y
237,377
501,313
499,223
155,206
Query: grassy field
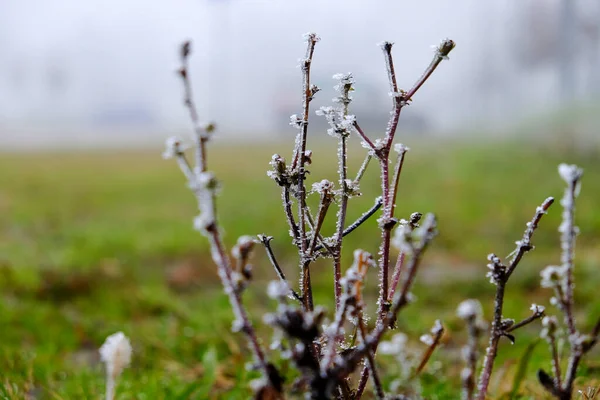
x,y
93,243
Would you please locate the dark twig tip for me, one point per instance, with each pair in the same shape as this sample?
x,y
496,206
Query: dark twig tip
x,y
186,49
446,47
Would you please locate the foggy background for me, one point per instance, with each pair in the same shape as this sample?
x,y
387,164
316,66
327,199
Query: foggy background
x,y
101,72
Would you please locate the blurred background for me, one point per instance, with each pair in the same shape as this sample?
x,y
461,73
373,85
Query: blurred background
x,y
96,229
101,72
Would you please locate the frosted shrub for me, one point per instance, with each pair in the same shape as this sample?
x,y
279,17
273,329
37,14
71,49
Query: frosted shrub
x,y
330,346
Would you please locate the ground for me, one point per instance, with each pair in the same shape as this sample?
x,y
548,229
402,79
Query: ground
x,y
97,242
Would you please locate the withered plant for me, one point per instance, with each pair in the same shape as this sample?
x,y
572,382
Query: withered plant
x,y
334,348
560,279
324,351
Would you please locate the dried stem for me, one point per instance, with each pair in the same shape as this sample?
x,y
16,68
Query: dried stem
x,y
437,333
305,284
363,218
396,275
441,53
363,168
266,241
401,299
499,275
397,170
287,205
204,186
526,321
326,199
379,393
201,131
400,99
470,310
364,137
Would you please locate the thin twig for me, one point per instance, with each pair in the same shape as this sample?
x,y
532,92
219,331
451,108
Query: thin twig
x,y
305,282
363,218
441,53
204,187
500,275
266,241
397,171
400,299
364,137
363,168
437,333
526,321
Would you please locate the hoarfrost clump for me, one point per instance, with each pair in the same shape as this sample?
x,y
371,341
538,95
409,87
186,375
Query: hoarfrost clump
x,y
428,338
400,148
470,309
395,346
537,309
174,147
278,290
116,354
549,327
552,275
243,247
323,186
569,173
402,239
302,323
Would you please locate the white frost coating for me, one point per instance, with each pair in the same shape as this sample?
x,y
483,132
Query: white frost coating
x,y
537,309
296,121
277,290
244,243
469,309
395,346
116,354
173,147
323,186
400,148
549,325
427,339
437,48
569,173
402,238
437,327
311,36
552,275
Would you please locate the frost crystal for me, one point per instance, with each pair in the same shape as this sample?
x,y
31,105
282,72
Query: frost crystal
x,y
402,239
311,36
549,326
243,246
296,121
469,309
277,290
116,354
537,309
427,339
400,148
437,327
323,186
443,48
569,173
173,148
395,346
551,276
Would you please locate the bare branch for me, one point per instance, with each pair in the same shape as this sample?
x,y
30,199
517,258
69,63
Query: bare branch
x,y
266,242
499,275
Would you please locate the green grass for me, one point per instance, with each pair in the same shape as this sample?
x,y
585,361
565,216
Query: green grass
x,y
92,243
